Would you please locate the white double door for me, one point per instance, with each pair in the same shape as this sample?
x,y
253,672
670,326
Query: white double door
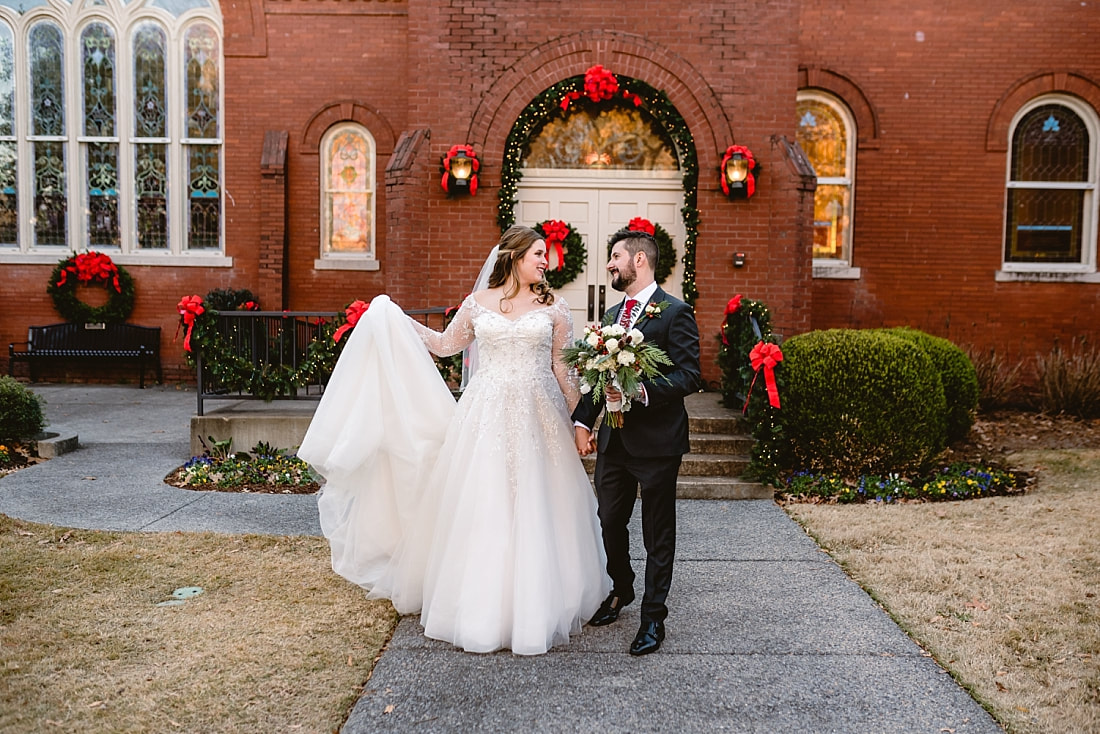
x,y
596,208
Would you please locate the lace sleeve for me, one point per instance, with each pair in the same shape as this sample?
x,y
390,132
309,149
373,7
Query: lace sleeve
x,y
457,337
563,337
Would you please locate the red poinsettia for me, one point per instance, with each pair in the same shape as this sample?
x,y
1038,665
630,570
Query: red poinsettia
x,y
639,224
91,267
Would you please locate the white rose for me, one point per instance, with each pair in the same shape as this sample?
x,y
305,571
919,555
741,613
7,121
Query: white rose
x,y
592,339
614,330
636,337
612,345
625,358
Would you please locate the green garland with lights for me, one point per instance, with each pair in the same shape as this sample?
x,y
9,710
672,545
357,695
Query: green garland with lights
x,y
657,104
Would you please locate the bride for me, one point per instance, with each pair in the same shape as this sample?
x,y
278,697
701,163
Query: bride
x,y
478,515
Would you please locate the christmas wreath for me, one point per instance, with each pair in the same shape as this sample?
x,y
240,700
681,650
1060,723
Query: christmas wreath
x,y
666,251
91,268
564,249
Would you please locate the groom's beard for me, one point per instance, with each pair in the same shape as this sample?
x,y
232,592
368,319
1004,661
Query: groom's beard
x,y
620,281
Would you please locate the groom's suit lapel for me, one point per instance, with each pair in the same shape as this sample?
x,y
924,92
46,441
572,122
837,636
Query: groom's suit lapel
x,y
644,319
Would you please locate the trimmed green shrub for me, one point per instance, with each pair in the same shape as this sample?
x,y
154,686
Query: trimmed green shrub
x,y
957,373
20,411
860,402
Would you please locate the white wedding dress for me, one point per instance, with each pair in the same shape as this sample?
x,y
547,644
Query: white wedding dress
x,y
478,515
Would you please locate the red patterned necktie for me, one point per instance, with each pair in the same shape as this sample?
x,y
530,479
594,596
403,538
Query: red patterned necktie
x,y
628,313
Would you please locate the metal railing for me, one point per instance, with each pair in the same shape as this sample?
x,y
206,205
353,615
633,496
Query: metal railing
x,y
276,339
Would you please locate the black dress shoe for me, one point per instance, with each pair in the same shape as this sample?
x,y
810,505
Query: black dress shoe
x,y
649,638
609,610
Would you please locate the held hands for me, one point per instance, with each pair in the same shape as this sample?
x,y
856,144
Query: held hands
x,y
584,439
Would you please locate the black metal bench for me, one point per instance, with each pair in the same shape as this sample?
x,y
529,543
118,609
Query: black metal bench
x,y
97,341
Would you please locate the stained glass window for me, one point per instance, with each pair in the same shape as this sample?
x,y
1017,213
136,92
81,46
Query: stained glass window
x,y
100,146
47,59
1048,186
150,151
825,133
110,127
9,207
348,203
615,136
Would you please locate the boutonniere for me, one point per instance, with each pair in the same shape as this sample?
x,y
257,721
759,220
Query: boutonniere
x,y
653,310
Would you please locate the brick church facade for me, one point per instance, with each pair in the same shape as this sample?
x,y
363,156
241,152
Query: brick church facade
x,y
924,163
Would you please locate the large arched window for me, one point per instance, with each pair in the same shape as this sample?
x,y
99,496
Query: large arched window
x,y
827,134
1051,202
110,131
347,197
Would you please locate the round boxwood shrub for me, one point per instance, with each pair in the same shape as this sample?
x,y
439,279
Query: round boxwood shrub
x,y
860,402
957,373
20,411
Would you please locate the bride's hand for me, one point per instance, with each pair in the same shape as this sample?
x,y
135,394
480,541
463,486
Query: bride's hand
x,y
584,439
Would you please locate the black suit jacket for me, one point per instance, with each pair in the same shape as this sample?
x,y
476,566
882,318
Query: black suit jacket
x,y
661,427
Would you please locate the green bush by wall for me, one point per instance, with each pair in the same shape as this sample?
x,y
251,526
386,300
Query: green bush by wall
x,y
957,373
860,402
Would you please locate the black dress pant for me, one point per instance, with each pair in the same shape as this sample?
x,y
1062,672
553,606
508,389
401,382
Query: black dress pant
x,y
618,477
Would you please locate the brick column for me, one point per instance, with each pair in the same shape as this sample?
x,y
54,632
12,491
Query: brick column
x,y
273,225
407,239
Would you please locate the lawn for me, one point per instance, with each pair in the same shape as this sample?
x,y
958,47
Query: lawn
x,y
275,643
1002,591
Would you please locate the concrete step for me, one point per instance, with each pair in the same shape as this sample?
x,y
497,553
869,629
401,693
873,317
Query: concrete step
x,y
699,465
721,488
736,444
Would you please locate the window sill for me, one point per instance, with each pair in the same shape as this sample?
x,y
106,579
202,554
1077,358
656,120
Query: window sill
x,y
1046,276
836,272
165,259
331,263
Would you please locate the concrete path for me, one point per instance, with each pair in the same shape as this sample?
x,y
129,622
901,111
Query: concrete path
x,y
765,632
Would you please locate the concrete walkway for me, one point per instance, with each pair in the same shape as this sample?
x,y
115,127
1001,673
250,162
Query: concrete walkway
x,y
765,632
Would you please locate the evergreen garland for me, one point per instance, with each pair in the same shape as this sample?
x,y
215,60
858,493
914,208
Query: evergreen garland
x,y
657,104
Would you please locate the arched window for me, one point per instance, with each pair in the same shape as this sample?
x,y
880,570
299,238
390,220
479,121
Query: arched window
x,y
827,134
114,143
347,196
1050,210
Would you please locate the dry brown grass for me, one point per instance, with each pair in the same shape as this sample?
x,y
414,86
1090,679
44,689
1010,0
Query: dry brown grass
x,y
276,643
1003,591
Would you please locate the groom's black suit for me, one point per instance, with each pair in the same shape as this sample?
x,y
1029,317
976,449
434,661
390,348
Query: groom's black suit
x,y
647,452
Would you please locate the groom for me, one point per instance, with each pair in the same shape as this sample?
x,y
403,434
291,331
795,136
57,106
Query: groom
x,y
649,447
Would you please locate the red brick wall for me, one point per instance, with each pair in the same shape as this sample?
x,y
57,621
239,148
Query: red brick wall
x,y
929,218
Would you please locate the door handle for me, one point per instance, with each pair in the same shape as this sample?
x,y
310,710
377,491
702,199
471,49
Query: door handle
x,y
591,303
603,298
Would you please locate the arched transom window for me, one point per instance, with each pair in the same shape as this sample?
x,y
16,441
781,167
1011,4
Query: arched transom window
x,y
613,136
1050,211
826,132
110,130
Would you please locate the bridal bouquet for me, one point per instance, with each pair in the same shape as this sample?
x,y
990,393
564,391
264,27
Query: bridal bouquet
x,y
611,355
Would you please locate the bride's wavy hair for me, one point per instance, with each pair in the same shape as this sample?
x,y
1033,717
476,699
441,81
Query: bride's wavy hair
x,y
513,245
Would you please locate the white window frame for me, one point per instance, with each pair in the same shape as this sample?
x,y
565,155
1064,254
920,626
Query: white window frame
x,y
1085,270
832,267
346,260
122,19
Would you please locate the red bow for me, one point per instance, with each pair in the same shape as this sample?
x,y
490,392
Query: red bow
x,y
555,232
733,305
353,313
190,308
91,266
638,224
766,356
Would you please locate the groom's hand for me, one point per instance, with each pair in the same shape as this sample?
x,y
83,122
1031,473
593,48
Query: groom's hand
x,y
613,394
584,439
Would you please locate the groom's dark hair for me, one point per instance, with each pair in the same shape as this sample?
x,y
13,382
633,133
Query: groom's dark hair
x,y
636,242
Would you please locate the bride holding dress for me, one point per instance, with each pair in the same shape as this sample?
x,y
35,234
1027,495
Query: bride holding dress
x,y
479,514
